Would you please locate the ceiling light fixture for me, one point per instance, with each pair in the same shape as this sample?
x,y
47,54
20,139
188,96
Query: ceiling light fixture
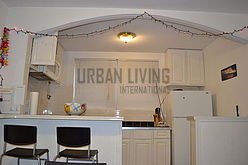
x,y
126,36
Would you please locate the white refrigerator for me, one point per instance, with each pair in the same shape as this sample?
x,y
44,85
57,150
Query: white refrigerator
x,y
178,106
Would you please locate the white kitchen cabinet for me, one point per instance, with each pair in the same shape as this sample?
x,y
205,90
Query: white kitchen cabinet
x,y
142,152
162,147
161,152
186,67
146,147
126,152
44,50
49,72
57,68
126,148
195,68
176,61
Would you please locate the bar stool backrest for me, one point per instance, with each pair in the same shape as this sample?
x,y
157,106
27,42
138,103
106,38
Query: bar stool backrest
x,y
20,134
73,136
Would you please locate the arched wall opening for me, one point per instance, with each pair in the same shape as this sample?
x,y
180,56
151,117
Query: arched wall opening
x,y
124,17
17,78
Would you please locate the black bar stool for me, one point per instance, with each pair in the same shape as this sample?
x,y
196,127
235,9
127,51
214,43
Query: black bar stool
x,y
20,135
75,137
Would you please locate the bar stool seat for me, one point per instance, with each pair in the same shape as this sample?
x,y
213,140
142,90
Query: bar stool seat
x,y
72,153
26,153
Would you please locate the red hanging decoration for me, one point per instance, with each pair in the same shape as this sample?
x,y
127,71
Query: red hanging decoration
x,y
4,49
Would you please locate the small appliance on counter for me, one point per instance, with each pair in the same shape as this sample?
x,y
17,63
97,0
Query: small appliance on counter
x,y
158,118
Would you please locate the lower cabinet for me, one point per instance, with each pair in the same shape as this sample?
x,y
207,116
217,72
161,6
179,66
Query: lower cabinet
x,y
126,154
146,147
142,152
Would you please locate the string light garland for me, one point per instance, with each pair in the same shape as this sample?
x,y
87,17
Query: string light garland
x,y
156,20
4,49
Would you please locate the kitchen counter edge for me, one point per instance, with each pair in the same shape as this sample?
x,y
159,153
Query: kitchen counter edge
x,y
216,118
60,117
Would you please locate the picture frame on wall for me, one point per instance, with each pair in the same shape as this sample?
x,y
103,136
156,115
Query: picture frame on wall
x,y
229,72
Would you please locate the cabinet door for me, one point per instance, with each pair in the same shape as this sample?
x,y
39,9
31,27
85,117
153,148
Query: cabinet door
x,y
44,51
195,68
57,68
142,154
126,152
161,152
178,76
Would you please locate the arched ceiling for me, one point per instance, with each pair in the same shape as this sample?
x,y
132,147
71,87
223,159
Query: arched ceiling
x,y
150,37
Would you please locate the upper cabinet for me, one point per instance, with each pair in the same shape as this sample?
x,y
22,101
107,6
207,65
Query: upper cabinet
x,y
196,72
47,58
186,67
44,51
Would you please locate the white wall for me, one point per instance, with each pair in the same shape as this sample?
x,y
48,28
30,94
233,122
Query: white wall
x,y
3,22
3,15
13,73
219,55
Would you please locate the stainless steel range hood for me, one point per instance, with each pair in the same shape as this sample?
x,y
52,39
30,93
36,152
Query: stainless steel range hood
x,y
40,75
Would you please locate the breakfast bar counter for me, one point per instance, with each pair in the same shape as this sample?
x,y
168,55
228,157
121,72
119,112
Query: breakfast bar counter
x,y
219,140
60,117
106,134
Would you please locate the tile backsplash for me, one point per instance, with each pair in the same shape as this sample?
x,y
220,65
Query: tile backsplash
x,y
62,93
137,124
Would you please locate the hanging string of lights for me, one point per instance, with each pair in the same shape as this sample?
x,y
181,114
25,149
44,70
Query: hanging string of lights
x,y
156,20
4,48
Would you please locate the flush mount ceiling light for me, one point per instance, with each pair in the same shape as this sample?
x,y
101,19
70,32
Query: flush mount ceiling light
x,y
126,36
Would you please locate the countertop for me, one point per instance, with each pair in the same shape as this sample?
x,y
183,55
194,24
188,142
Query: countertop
x,y
216,118
60,117
146,128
